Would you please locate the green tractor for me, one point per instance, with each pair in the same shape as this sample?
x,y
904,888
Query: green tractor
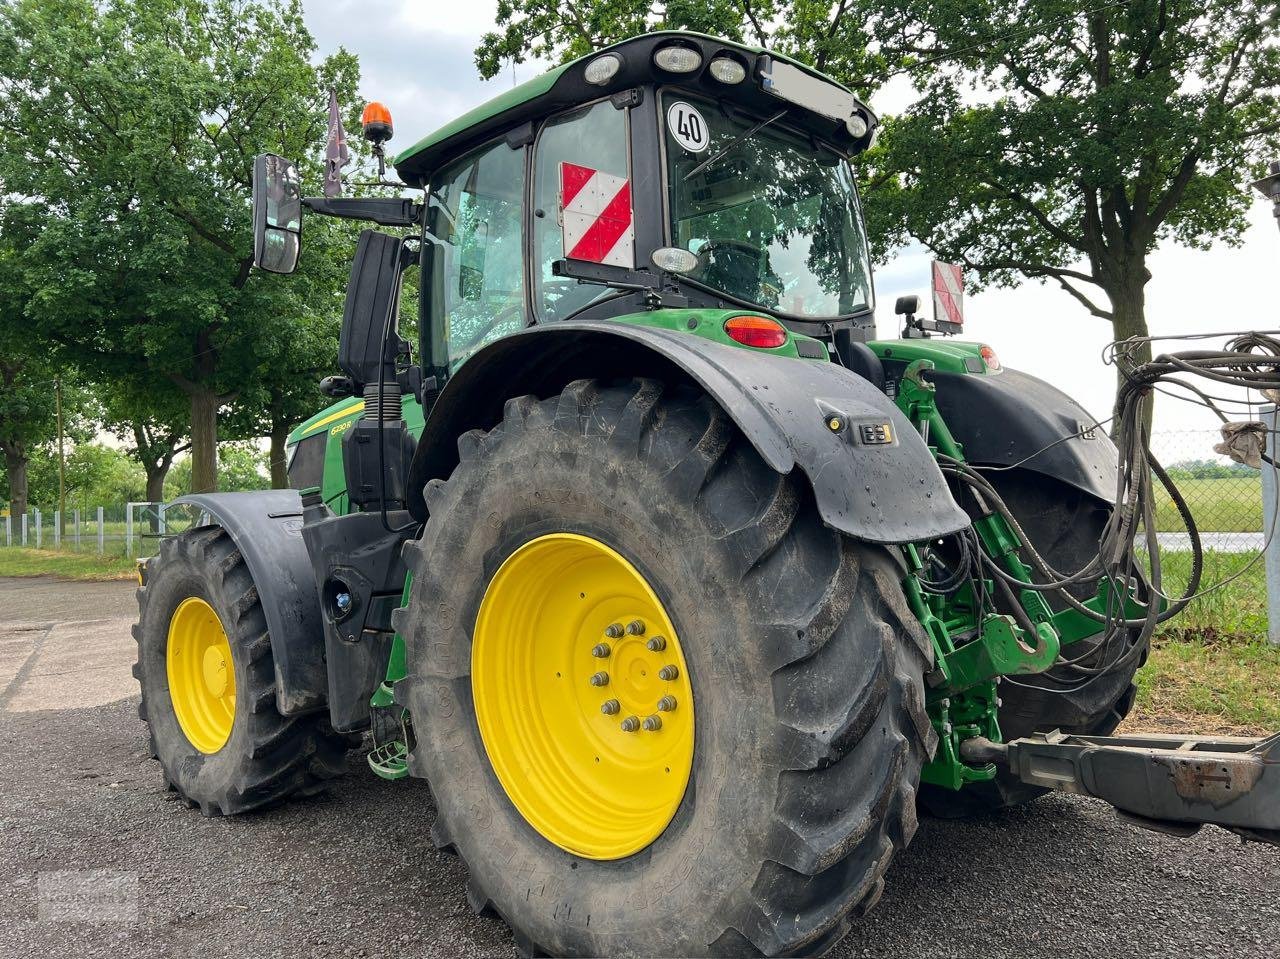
x,y
682,590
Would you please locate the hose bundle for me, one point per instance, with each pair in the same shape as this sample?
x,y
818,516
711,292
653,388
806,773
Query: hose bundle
x,y
1249,361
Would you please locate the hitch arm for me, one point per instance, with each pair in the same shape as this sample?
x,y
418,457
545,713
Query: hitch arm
x,y
1172,784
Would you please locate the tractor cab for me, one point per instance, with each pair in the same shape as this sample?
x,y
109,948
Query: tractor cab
x,y
671,170
671,164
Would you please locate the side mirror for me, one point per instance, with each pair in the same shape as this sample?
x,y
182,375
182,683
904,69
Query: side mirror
x,y
277,214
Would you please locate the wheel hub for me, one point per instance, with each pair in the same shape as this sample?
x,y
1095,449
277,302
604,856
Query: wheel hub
x,y
582,696
202,685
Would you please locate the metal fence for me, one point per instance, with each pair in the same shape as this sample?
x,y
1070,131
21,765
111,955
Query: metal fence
x,y
1225,499
119,529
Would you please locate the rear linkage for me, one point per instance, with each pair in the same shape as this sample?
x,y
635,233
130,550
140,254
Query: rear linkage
x,y
1166,783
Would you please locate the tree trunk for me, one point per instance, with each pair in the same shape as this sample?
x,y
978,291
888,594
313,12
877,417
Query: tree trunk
x,y
15,461
279,456
1129,318
157,473
204,439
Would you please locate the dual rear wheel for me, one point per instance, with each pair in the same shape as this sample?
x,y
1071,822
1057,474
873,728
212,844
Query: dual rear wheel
x,y
208,685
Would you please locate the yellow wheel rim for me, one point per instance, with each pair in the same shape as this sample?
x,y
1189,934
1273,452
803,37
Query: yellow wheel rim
x,y
582,696
202,678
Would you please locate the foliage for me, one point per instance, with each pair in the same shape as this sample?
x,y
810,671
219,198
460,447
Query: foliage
x,y
134,124
1064,144
1208,469
241,466
1048,141
95,475
831,36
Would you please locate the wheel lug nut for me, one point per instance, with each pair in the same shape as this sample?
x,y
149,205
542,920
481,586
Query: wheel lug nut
x,y
600,650
613,630
656,644
600,679
652,723
610,707
666,704
635,627
630,724
668,673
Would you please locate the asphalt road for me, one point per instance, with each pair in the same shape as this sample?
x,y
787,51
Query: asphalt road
x,y
327,877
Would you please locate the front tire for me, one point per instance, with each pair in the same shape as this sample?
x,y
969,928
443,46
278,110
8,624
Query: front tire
x,y
804,663
208,685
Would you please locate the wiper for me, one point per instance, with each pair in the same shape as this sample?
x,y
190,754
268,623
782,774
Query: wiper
x,y
750,133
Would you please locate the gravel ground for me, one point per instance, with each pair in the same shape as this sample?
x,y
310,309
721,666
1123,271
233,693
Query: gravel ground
x,y
1061,877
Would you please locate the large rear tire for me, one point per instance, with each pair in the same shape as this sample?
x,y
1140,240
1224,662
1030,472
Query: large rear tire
x,y
208,685
1064,525
804,663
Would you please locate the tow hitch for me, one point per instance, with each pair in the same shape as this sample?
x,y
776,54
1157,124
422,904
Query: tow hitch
x,y
1172,784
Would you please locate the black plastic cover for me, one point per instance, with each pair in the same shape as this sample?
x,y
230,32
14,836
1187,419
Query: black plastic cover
x,y
882,493
1012,418
376,456
373,294
266,527
357,555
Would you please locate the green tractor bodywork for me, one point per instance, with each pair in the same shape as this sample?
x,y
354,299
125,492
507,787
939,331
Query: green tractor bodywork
x,y
648,457
963,701
972,649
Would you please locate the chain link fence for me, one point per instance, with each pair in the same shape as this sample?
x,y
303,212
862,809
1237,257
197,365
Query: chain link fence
x,y
1226,501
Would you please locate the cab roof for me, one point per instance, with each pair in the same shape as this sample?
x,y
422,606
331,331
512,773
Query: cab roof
x,y
518,109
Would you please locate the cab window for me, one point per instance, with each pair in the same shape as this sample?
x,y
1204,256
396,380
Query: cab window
x,y
474,254
594,136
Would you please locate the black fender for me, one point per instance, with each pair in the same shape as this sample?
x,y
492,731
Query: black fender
x,y
266,527
1013,418
890,492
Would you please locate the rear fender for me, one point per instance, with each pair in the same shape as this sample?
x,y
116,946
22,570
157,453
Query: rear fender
x,y
793,411
266,527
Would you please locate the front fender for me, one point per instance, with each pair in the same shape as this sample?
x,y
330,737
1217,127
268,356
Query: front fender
x,y
889,492
266,527
1014,419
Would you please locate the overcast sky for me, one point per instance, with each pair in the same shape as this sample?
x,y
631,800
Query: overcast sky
x,y
417,57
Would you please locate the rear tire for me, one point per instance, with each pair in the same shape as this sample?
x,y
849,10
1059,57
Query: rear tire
x,y
266,757
1064,525
805,662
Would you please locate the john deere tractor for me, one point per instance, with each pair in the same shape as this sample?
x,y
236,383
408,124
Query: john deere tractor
x,y
681,589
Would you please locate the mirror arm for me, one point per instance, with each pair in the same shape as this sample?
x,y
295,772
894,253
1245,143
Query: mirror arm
x,y
385,211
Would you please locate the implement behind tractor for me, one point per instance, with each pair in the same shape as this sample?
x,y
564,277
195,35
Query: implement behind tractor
x,y
680,588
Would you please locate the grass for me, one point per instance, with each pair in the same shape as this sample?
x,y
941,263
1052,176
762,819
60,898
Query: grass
x,y
1211,669
17,561
1208,683
1222,505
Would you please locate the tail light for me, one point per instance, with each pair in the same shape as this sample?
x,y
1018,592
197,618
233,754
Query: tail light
x,y
760,332
989,357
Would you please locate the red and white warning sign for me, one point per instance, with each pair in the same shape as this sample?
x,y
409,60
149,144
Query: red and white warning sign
x,y
595,214
948,293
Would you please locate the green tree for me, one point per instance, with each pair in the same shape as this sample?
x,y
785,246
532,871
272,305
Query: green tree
x,y
1097,134
96,475
1053,141
150,415
241,464
135,122
27,412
